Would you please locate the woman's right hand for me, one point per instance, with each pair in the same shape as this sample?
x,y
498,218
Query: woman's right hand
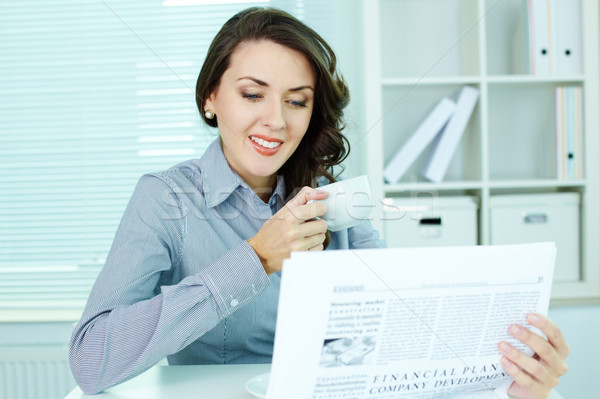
x,y
293,228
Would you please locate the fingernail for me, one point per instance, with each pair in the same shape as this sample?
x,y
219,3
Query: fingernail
x,y
516,330
533,319
505,348
506,363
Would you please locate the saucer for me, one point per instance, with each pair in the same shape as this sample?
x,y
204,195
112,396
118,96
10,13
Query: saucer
x,y
258,385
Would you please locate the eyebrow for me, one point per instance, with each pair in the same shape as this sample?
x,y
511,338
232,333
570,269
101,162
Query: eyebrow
x,y
263,83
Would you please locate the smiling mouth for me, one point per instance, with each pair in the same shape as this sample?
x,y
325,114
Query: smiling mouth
x,y
265,143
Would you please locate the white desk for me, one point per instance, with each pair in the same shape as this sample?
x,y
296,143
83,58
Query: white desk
x,y
187,382
184,382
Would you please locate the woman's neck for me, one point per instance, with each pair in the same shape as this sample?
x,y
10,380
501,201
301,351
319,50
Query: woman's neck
x,y
263,187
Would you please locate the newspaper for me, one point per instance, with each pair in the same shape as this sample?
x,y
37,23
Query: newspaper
x,y
404,323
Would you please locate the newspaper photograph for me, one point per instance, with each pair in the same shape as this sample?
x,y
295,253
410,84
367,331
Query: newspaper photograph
x,y
405,323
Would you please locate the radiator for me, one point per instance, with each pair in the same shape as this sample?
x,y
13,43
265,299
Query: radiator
x,y
35,372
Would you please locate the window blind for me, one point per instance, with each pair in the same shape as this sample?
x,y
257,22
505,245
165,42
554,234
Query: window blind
x,y
93,94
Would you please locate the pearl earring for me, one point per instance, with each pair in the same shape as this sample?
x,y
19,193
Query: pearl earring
x,y
209,115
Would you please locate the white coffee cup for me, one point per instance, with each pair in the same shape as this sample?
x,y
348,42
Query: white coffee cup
x,y
348,204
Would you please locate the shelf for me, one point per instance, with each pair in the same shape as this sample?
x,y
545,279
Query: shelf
x,y
430,38
534,79
419,52
521,132
477,80
428,186
448,80
543,183
405,108
417,186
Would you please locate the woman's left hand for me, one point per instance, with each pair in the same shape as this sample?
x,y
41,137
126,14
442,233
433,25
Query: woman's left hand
x,y
535,376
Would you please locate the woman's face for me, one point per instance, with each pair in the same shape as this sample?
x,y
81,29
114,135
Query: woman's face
x,y
263,104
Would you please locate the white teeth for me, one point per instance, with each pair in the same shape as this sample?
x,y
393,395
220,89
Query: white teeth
x,y
264,143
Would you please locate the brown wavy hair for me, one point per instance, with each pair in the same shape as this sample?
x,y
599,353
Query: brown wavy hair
x,y
323,146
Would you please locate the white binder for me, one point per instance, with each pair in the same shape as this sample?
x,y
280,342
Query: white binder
x,y
540,37
575,133
445,144
561,132
569,132
424,134
567,56
532,39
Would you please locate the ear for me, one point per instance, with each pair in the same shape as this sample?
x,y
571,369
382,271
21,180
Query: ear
x,y
208,103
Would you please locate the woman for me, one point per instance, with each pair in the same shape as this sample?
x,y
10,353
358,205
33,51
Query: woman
x,y
192,273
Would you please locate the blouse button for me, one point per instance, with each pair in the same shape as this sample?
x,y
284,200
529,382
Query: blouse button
x,y
234,303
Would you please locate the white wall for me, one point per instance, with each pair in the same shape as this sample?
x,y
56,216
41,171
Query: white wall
x,y
347,43
581,327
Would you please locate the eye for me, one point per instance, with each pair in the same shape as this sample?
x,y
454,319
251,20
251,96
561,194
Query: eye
x,y
252,96
297,104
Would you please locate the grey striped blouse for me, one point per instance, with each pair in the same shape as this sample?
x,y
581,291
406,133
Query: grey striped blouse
x,y
180,280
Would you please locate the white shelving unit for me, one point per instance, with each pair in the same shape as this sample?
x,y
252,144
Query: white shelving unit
x,y
419,51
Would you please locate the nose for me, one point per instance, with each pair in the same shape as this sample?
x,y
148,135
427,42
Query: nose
x,y
274,116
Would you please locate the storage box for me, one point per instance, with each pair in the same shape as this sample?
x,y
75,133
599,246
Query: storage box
x,y
430,221
540,217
